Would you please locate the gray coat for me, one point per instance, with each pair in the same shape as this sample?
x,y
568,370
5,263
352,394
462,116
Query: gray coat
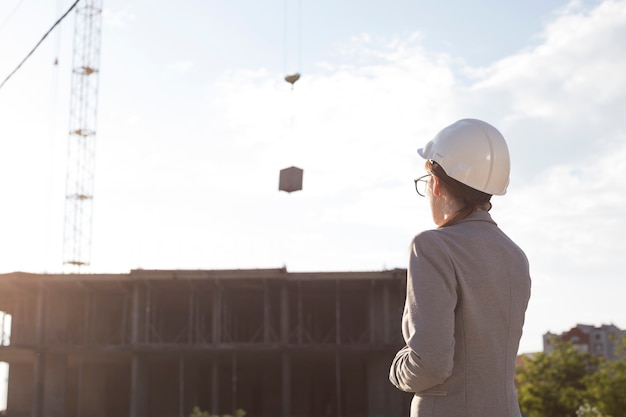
x,y
468,286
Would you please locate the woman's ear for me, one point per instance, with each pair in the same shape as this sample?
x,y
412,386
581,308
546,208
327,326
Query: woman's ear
x,y
437,185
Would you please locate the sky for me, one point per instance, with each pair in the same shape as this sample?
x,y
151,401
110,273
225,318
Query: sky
x,y
195,121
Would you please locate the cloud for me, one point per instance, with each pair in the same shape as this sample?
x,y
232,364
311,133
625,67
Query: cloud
x,y
569,221
559,103
578,210
354,127
564,95
118,18
556,102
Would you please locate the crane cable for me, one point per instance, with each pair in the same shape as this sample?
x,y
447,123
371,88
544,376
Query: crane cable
x,y
292,78
39,43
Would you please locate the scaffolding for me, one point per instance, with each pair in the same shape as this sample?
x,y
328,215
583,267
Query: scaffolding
x,y
158,343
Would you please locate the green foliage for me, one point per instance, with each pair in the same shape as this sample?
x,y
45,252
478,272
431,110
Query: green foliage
x,y
552,385
567,383
607,387
196,412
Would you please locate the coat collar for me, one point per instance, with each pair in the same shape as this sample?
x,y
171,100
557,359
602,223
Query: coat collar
x,y
479,215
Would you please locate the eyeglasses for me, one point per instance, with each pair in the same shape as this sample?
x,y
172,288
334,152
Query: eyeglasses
x,y
421,183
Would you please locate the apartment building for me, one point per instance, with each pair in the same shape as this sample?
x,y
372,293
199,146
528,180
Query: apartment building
x,y
603,340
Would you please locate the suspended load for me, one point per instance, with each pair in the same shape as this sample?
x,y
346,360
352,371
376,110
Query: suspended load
x,y
290,179
291,79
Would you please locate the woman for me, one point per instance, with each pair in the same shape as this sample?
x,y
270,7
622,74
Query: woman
x,y
468,284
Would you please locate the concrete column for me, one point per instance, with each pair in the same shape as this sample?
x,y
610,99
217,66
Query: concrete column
x,y
53,375
181,386
140,311
337,313
284,314
217,314
139,386
40,317
267,313
147,315
234,383
50,368
286,384
338,393
386,313
215,389
88,325
20,392
136,315
377,376
38,366
372,313
300,324
191,321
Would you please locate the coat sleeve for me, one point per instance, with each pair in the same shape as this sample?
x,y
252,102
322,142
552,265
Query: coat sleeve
x,y
428,319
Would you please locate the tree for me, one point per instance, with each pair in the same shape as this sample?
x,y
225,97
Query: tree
x,y
553,384
607,386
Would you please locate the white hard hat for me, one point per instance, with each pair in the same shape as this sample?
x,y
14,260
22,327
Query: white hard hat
x,y
472,152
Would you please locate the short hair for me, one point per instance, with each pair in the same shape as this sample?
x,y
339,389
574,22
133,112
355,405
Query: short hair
x,y
471,198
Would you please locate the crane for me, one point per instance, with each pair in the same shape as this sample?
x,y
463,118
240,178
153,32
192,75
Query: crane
x,y
82,135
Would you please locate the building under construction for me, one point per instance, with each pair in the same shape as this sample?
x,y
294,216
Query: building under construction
x,y
159,343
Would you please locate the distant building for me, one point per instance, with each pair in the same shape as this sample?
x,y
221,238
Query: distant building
x,y
601,341
158,343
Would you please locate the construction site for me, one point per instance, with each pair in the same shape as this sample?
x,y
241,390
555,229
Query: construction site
x,y
160,342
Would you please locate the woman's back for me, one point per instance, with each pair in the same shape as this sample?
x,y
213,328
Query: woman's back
x,y
492,286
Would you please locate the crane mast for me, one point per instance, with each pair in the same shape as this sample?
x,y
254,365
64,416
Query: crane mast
x,y
82,135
